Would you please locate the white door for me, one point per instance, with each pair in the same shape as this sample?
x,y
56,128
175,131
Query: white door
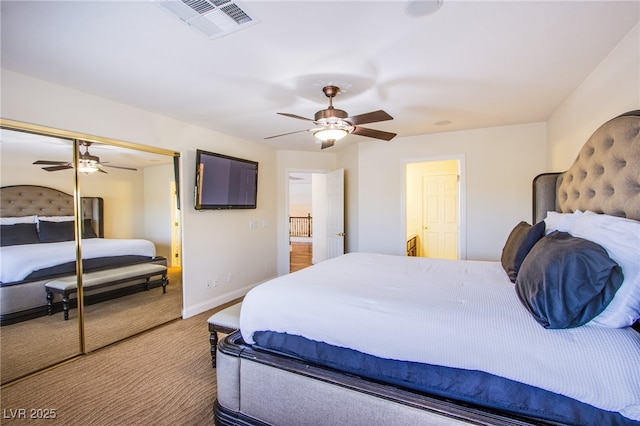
x,y
335,213
440,217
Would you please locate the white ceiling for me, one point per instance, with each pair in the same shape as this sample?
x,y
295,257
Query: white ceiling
x,y
473,63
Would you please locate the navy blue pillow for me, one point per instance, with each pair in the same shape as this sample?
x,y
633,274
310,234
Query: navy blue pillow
x,y
54,232
567,281
520,241
20,233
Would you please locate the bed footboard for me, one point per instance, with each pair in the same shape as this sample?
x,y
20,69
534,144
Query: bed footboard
x,y
256,388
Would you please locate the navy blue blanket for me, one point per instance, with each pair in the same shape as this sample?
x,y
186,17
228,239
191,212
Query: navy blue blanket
x,y
474,387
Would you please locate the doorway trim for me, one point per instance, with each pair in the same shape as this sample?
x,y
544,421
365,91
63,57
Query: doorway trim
x,y
462,196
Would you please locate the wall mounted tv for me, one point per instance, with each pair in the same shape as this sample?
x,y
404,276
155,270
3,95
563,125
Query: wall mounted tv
x,y
224,182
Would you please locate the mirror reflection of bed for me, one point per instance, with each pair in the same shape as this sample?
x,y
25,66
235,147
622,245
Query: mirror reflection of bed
x,y
113,312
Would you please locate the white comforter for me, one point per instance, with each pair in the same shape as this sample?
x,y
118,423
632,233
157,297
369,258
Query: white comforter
x,y
19,261
462,314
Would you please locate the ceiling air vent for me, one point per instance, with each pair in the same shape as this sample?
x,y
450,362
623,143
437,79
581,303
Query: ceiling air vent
x,y
214,18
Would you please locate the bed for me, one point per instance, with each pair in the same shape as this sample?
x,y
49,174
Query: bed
x,y
544,336
38,246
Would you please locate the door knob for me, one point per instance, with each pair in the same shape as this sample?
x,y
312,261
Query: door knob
x,y
341,234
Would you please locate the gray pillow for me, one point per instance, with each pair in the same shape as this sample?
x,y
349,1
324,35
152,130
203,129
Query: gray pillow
x,y
18,234
53,232
521,239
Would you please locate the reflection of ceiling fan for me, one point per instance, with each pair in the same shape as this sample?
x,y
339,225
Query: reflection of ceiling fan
x,y
334,124
87,163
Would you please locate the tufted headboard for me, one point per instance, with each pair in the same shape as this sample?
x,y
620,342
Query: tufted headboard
x,y
604,178
25,200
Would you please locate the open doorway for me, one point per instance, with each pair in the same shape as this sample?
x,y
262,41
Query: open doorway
x,y
434,198
321,194
314,216
300,221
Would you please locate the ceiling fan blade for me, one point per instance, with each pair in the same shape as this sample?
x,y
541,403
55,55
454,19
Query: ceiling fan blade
x,y
369,117
102,171
56,168
285,134
327,144
119,167
371,133
51,163
295,116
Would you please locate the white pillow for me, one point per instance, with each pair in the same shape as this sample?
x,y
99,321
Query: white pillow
x,y
621,238
560,221
17,219
56,218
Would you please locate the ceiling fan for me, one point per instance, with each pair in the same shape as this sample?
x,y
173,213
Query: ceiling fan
x,y
87,163
334,124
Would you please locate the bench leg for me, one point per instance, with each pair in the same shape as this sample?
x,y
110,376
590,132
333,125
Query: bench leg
x,y
213,339
165,281
49,303
65,306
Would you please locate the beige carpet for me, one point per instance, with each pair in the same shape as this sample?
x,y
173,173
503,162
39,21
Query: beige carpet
x,y
161,377
41,342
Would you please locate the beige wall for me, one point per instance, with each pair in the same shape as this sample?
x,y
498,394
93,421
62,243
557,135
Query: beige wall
x,y
500,163
610,90
214,242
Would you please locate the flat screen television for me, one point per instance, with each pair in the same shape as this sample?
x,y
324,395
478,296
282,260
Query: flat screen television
x,y
224,182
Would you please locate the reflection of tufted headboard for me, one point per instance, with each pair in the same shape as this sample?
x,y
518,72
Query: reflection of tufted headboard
x,y
604,178
26,200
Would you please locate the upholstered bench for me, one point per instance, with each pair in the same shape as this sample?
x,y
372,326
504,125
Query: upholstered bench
x,y
109,277
224,321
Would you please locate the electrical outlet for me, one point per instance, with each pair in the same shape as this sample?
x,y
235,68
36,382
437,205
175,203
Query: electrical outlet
x,y
229,277
209,283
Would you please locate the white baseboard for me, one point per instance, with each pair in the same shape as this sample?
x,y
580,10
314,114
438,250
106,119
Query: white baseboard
x,y
209,304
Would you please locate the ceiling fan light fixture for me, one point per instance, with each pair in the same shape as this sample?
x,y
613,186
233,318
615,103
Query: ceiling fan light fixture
x,y
325,135
332,129
87,166
334,134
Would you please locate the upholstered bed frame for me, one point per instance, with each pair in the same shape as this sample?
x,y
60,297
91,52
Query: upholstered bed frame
x,y
27,299
605,178
25,200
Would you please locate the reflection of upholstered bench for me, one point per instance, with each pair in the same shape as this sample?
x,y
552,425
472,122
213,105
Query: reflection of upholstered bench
x,y
109,277
224,321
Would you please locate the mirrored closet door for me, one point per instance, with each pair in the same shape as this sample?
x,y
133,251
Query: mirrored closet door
x,y
140,287
124,209
29,339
